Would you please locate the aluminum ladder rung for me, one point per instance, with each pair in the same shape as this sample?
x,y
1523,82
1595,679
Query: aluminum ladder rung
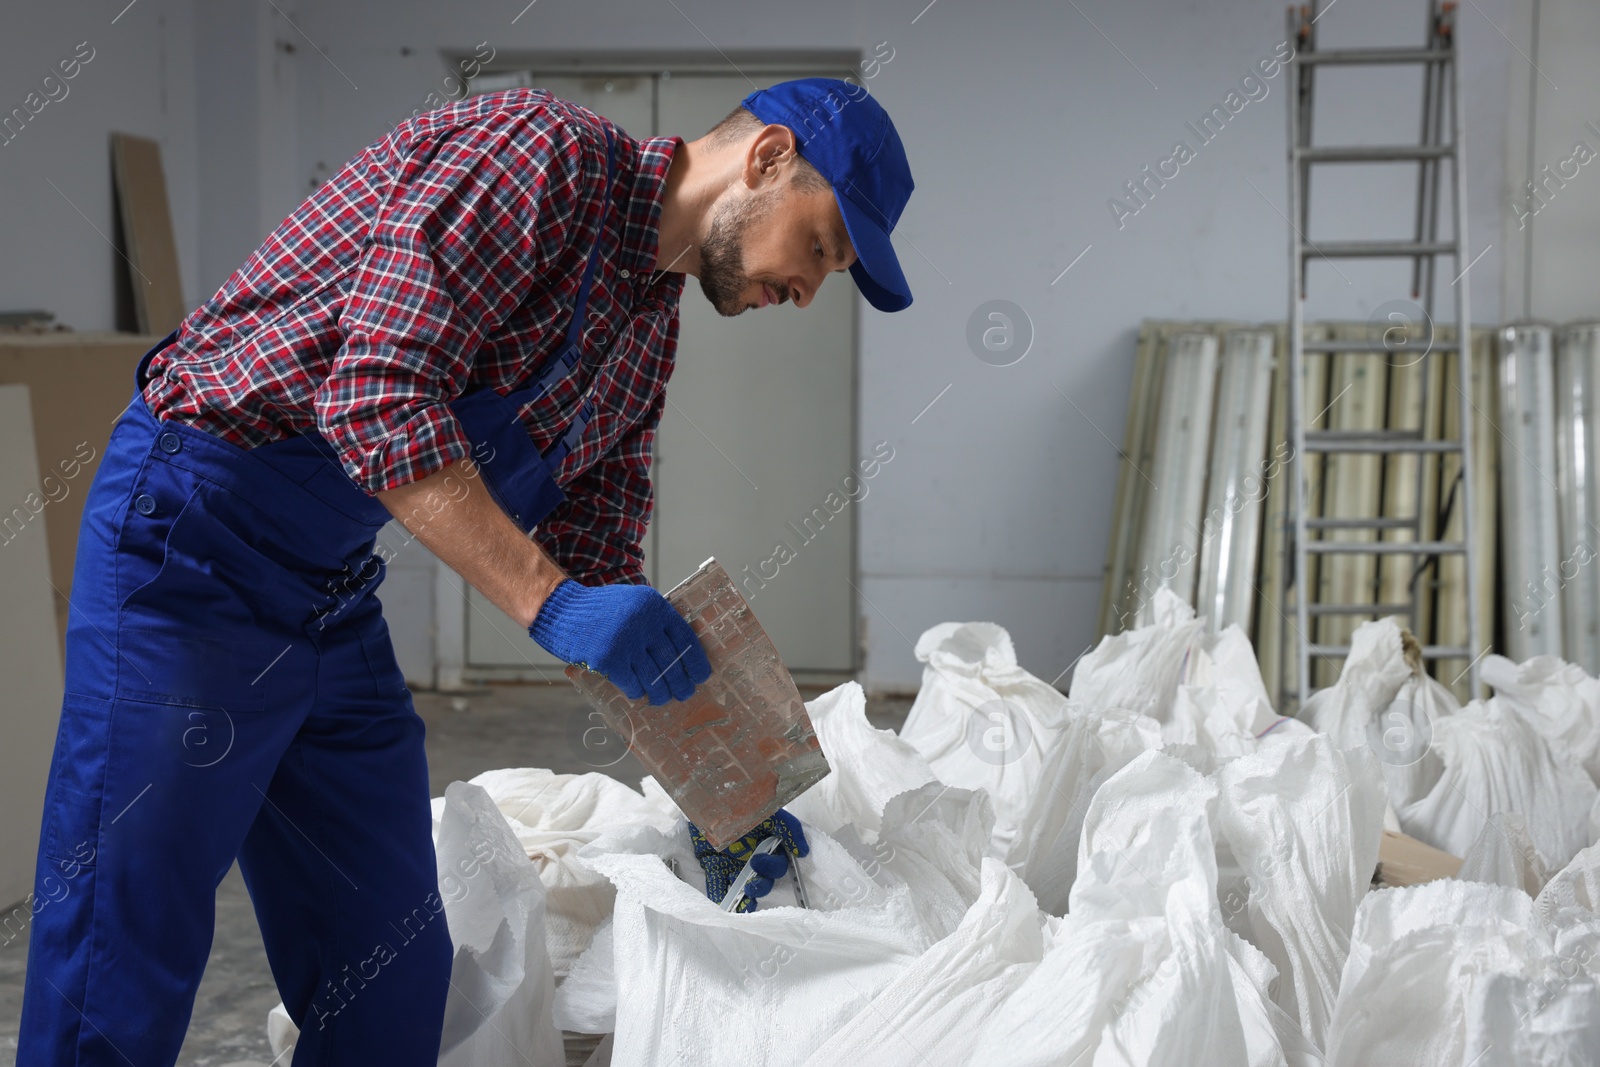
x,y
1428,651
1374,56
1320,345
1378,153
1321,442
1383,610
1361,524
1376,249
1385,548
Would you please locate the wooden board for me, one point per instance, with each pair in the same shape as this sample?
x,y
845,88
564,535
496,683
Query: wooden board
x,y
30,663
151,248
1406,861
79,383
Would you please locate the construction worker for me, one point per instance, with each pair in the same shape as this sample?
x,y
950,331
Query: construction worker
x,y
468,328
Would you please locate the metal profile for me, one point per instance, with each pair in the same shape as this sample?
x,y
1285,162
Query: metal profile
x,y
1529,510
1577,392
1170,541
1231,526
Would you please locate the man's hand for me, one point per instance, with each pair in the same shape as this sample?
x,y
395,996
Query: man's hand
x,y
629,633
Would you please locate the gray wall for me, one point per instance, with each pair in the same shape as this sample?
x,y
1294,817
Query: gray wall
x,y
1022,121
141,80
1553,139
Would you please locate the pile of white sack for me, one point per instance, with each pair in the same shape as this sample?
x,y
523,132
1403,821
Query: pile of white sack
x,y
1158,869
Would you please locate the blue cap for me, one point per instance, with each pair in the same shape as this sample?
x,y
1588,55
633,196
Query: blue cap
x,y
844,133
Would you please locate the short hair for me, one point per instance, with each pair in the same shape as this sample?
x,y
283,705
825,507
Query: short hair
x,y
740,123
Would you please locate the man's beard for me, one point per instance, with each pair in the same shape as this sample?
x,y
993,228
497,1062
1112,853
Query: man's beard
x,y
722,276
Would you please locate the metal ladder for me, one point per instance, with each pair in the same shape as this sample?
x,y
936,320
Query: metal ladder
x,y
1440,84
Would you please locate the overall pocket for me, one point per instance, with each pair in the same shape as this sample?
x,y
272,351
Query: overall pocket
x,y
208,618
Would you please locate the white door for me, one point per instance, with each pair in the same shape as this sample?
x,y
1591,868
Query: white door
x,y
758,431
757,437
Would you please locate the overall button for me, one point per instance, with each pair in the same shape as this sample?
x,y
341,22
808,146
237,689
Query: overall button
x,y
171,443
145,504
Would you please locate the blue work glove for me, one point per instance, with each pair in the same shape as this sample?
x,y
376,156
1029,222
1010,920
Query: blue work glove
x,y
629,633
723,867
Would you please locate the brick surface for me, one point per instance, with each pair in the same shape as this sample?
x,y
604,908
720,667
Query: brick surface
x,y
742,746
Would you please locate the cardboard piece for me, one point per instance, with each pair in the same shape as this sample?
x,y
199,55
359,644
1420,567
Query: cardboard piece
x,y
79,384
30,662
152,250
742,746
1406,861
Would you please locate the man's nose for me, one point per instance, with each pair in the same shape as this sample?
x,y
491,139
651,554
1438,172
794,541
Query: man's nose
x,y
803,290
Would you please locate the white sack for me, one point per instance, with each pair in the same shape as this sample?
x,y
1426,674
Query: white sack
x,y
931,1011
1137,672
696,984
1503,854
586,1001
1206,693
553,816
501,983
869,766
1558,698
1303,819
1575,886
982,722
1086,750
1448,769
1384,701
932,841
1142,970
1494,761
1452,973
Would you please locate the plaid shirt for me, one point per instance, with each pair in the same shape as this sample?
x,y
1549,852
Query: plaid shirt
x,y
445,258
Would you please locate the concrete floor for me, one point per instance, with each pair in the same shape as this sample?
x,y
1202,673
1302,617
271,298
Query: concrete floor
x,y
502,726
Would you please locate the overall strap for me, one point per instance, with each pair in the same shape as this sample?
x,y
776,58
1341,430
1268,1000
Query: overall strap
x,y
572,348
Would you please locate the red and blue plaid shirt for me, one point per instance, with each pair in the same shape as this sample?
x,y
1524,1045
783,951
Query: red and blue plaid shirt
x,y
445,258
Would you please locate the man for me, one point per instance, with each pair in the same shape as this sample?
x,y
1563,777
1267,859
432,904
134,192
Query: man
x,y
469,328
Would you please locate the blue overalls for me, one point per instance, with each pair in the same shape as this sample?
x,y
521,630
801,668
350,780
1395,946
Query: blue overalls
x,y
231,693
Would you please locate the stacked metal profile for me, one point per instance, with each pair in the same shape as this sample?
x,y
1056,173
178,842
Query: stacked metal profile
x,y
1202,505
1549,392
1335,556
1190,499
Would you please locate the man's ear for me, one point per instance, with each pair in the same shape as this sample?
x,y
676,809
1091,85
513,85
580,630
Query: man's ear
x,y
770,153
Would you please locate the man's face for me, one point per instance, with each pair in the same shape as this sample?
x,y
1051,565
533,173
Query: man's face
x,y
770,245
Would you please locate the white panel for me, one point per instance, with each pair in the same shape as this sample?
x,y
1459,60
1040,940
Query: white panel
x,y
1577,394
756,445
1170,542
30,660
1231,529
1528,508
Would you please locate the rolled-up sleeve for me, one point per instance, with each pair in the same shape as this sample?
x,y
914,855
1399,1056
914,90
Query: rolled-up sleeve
x,y
475,216
597,533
